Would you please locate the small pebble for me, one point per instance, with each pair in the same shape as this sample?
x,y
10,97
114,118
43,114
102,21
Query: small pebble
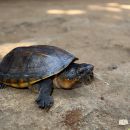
x,y
102,98
112,67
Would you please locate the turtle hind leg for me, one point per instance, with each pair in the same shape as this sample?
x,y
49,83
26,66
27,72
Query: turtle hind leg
x,y
2,86
45,100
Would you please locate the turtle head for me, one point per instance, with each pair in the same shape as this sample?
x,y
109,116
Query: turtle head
x,y
73,74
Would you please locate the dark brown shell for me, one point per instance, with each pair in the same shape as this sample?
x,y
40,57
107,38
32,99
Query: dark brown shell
x,y
34,62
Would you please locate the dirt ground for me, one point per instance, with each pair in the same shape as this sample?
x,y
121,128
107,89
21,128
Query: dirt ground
x,y
96,31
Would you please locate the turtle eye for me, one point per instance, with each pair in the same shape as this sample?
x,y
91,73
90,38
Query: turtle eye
x,y
72,72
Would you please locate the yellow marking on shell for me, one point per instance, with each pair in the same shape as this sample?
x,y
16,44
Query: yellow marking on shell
x,y
33,81
27,84
15,85
20,83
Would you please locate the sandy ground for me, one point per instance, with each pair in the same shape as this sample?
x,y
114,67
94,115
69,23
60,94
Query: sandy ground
x,y
98,32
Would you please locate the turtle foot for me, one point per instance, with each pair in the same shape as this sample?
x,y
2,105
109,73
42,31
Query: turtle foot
x,y
45,102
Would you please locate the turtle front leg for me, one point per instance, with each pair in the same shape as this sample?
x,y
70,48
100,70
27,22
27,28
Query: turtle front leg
x,y
2,86
45,100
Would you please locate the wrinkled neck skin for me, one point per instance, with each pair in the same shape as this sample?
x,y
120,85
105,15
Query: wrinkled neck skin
x,y
73,74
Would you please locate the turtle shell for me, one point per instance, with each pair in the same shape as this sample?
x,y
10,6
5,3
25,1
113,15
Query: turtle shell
x,y
24,66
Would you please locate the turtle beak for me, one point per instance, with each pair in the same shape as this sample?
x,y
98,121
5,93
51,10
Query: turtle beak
x,y
85,72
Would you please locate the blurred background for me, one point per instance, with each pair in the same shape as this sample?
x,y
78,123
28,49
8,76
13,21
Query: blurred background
x,y
96,31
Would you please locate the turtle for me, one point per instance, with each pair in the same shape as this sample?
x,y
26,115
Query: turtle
x,y
42,68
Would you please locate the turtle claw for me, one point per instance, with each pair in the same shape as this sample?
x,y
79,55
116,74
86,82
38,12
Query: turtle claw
x,y
45,102
2,86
